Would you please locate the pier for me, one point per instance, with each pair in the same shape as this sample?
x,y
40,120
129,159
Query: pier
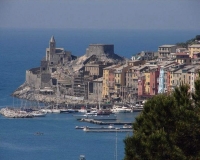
x,y
105,123
107,130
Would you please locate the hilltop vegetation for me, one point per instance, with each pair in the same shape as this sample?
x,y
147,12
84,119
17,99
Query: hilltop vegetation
x,y
189,42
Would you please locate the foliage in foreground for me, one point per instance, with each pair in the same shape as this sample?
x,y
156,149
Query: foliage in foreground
x,y
168,128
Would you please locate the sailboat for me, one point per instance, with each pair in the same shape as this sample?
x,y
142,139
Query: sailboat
x,y
55,109
64,110
35,103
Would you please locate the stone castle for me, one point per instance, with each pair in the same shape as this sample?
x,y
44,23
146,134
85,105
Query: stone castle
x,y
72,75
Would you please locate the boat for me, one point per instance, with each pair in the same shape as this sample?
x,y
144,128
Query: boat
x,y
120,109
137,108
126,126
95,116
82,157
71,110
64,111
55,109
83,110
103,112
38,114
39,133
111,126
45,110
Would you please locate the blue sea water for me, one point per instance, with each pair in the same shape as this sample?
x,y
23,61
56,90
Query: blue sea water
x,y
22,49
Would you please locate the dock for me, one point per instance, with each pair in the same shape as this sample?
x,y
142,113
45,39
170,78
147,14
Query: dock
x,y
105,123
102,128
108,130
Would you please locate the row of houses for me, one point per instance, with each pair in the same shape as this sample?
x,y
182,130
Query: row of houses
x,y
140,78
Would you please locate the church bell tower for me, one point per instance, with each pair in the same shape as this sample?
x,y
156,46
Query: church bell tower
x,y
52,45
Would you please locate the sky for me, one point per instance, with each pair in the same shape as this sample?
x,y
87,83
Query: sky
x,y
101,14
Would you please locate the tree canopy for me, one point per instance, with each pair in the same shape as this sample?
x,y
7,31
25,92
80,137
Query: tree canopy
x,y
168,127
188,42
198,37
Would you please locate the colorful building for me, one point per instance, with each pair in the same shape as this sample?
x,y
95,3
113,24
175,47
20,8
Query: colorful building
x,y
193,48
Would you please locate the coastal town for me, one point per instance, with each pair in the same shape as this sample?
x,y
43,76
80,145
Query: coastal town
x,y
102,76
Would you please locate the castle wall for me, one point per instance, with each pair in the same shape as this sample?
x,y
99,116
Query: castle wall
x,y
33,80
99,49
45,80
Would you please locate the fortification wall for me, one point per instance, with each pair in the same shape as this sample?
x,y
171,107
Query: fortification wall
x,y
99,49
45,80
33,80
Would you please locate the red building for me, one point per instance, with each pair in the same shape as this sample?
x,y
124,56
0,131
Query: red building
x,y
154,81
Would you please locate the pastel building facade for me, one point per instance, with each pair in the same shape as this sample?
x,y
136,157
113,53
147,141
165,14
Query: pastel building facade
x,y
165,50
195,48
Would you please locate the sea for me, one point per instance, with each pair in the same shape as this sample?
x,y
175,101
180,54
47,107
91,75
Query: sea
x,y
23,49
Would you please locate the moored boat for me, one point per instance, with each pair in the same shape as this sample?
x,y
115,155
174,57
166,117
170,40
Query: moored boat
x,y
64,111
120,109
55,110
137,108
94,116
38,114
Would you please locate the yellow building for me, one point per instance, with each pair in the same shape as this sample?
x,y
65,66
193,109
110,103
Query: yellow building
x,y
105,88
193,48
174,78
147,82
120,82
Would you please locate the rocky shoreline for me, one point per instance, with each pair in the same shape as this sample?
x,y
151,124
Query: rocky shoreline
x,y
25,92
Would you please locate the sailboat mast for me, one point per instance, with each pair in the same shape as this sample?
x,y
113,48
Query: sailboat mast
x,y
116,146
98,93
57,94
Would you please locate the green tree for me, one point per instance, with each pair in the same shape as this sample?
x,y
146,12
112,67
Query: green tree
x,y
168,128
198,37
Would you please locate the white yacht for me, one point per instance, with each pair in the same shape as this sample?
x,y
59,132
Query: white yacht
x,y
120,109
82,110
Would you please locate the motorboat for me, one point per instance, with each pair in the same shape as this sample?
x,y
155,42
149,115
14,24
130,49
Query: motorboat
x,y
120,109
111,126
82,110
126,126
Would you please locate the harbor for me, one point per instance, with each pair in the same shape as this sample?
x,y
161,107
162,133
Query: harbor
x,y
59,131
